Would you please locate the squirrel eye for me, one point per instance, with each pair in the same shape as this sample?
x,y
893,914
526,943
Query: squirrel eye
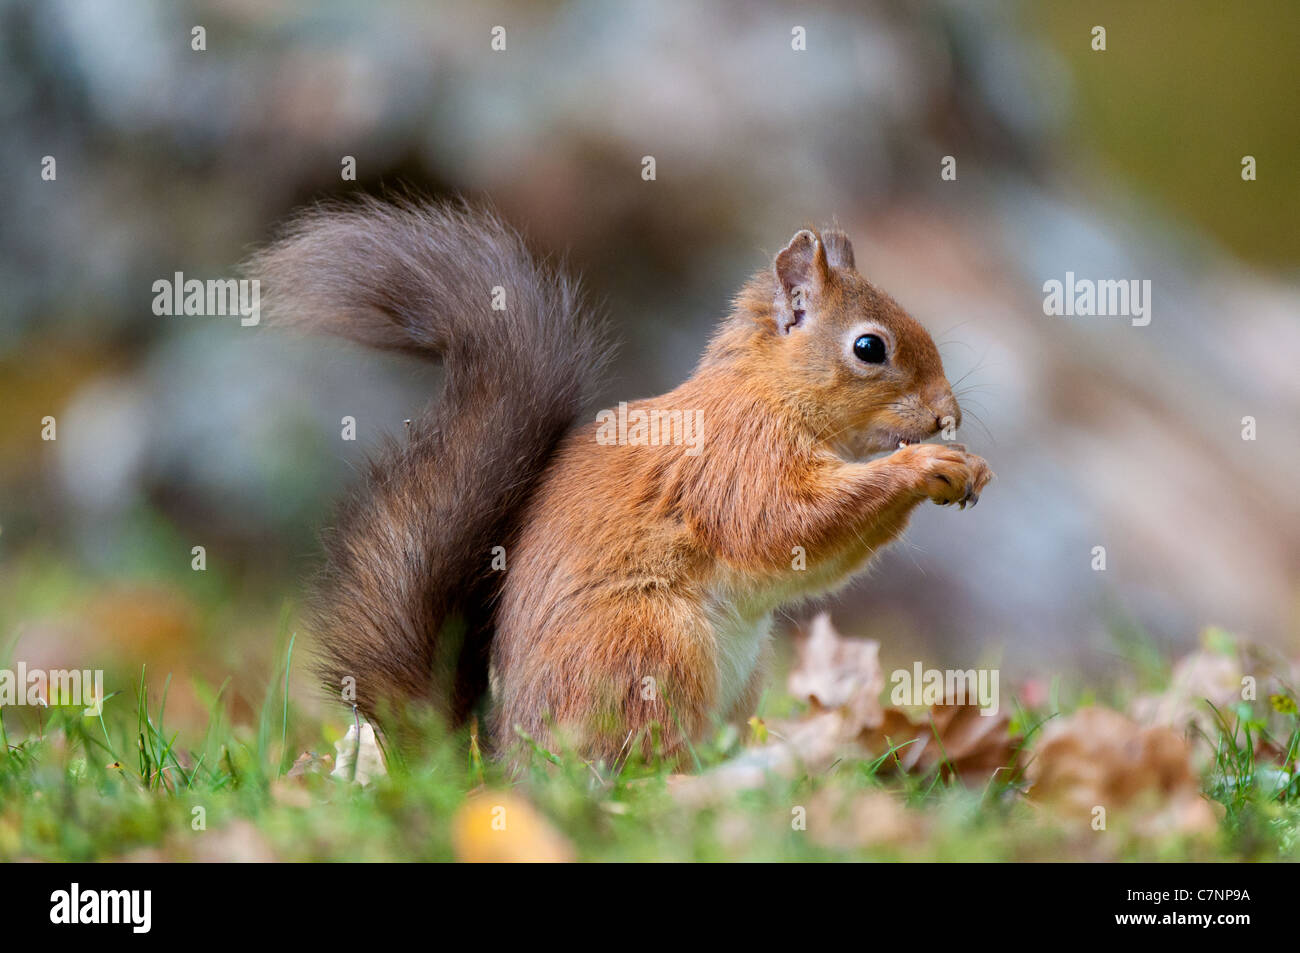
x,y
869,349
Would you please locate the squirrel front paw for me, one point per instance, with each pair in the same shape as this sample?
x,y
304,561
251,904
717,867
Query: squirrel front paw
x,y
945,473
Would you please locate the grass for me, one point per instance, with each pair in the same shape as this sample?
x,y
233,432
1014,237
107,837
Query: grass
x,y
124,785
219,748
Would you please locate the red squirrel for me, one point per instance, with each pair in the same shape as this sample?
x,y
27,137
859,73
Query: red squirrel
x,y
609,595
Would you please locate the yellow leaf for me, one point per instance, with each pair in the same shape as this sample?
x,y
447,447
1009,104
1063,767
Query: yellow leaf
x,y
494,827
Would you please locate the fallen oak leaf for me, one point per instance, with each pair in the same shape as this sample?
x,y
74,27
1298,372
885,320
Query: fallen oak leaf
x,y
292,789
833,672
1099,758
307,763
1206,675
841,681
956,739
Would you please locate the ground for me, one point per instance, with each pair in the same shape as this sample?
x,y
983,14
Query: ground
x,y
244,783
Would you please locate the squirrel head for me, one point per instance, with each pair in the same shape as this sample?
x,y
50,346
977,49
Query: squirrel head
x,y
842,355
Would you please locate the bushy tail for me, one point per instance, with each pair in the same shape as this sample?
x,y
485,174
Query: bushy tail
x,y
404,602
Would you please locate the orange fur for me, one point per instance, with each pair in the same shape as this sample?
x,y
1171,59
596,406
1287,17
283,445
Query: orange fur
x,y
640,579
639,562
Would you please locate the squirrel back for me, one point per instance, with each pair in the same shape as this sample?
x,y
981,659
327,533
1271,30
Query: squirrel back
x,y
403,603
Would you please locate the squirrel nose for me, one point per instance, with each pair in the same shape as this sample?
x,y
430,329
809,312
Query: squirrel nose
x,y
945,407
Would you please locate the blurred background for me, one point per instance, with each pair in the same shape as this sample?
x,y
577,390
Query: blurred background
x,y
175,432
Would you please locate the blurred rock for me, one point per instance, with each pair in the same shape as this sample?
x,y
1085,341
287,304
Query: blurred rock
x,y
1102,434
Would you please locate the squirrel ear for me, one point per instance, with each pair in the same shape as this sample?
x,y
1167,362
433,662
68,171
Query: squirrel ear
x,y
802,270
802,263
839,250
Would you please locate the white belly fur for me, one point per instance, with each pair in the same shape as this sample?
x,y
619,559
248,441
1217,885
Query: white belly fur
x,y
740,638
740,615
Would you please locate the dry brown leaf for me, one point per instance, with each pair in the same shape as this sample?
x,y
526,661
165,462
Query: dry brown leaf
x,y
1201,677
291,789
956,739
1142,776
496,827
309,763
838,673
1214,675
841,681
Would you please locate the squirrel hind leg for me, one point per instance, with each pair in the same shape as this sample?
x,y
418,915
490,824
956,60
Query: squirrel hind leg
x,y
646,693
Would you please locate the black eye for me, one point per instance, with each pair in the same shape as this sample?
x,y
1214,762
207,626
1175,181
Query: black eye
x,y
869,349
